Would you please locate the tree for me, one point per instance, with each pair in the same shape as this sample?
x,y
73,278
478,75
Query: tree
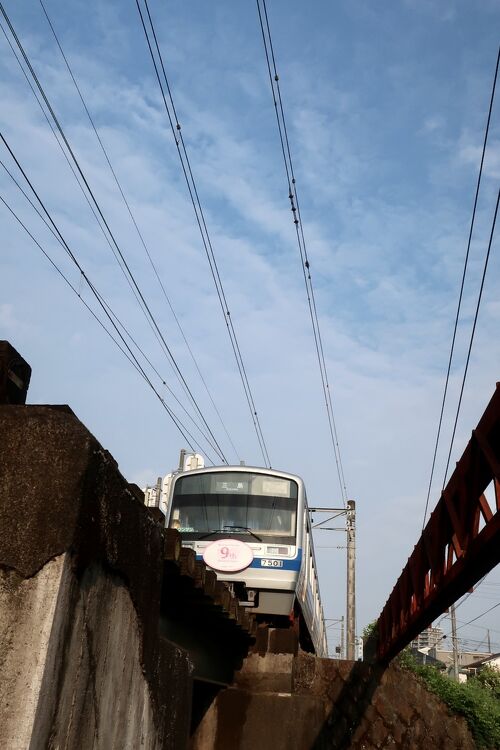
x,y
489,677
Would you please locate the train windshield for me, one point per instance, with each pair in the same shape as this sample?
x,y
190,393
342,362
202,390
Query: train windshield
x,y
253,507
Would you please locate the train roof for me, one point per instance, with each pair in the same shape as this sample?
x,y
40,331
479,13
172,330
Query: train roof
x,y
241,468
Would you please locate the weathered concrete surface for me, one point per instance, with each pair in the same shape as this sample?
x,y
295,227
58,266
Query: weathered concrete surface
x,y
82,664
240,720
269,674
331,704
369,707
27,612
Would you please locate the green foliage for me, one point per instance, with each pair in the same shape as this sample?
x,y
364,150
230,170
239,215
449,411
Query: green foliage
x,y
477,700
407,660
489,678
370,630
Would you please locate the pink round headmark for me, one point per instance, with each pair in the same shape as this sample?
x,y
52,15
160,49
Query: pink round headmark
x,y
229,555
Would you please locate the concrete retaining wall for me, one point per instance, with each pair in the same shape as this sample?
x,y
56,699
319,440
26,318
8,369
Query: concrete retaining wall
x,y
82,664
334,705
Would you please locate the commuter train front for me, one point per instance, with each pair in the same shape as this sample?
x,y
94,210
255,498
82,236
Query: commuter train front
x,y
251,525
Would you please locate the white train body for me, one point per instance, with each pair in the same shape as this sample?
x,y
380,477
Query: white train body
x,y
252,526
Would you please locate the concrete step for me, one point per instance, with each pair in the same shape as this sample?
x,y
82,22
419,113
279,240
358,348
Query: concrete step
x,y
260,721
269,673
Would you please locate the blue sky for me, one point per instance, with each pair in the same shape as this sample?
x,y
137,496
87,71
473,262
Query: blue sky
x,y
386,106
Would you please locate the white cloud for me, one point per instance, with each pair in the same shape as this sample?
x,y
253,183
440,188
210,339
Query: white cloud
x,y
470,154
432,124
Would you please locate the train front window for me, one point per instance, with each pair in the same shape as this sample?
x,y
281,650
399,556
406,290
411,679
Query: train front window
x,y
240,503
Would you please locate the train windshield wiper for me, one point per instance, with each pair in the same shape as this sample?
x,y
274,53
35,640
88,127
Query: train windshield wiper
x,y
229,526
211,533
243,528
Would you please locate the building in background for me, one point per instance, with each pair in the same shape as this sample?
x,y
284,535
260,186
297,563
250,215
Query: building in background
x,y
428,638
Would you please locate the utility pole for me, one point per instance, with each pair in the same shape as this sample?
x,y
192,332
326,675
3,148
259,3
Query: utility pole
x,y
350,528
342,652
454,644
351,579
489,642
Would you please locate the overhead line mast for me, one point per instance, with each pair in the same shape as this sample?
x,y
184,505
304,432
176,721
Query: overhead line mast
x,y
301,242
200,220
112,241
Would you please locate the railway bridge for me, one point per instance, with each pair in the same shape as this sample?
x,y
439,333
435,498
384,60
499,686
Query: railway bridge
x,y
114,636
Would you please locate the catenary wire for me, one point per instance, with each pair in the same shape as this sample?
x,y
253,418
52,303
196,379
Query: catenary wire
x,y
65,246
193,192
479,616
295,207
69,283
144,305
116,318
305,263
106,308
492,97
89,203
202,226
79,182
138,231
129,355
92,209
95,214
472,337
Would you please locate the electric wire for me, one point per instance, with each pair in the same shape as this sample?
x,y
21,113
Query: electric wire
x,y
299,229
472,337
92,209
463,599
65,247
128,354
200,220
116,318
293,196
479,616
96,217
107,309
138,231
144,305
68,282
492,97
82,189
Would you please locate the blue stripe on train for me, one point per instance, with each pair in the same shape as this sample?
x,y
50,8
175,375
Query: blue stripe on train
x,y
287,564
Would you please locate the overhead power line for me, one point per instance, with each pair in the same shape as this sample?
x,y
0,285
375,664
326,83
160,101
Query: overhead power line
x,y
125,349
138,231
472,336
479,616
466,261
127,333
301,242
117,252
166,92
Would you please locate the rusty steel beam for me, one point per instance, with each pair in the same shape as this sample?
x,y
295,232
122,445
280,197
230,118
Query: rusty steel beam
x,y
459,545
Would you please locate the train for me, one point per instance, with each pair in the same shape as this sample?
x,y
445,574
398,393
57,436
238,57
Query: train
x,y
250,525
